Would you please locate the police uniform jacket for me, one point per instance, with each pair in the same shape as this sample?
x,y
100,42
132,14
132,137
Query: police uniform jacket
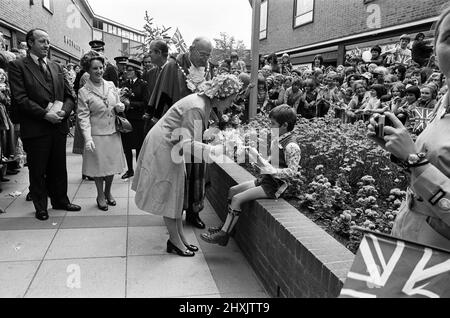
x,y
425,216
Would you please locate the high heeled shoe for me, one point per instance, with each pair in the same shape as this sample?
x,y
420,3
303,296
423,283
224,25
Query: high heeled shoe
x,y
110,202
191,247
172,248
102,207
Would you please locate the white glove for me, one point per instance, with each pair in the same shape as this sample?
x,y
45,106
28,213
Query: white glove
x,y
120,108
90,146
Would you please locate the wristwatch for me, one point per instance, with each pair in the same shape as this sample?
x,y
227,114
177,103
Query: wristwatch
x,y
414,159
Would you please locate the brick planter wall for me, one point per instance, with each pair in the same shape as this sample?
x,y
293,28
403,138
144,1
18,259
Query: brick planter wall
x,y
292,255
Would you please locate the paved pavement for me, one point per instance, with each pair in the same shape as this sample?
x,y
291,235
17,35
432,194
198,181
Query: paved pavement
x,y
119,253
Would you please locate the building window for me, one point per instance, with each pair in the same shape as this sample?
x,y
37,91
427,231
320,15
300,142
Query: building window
x,y
303,12
97,35
263,19
105,27
48,5
125,47
98,25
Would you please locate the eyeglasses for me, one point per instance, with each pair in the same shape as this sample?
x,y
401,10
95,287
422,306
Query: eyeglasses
x,y
130,70
202,54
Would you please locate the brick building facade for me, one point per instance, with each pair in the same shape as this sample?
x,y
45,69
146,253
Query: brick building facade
x,y
303,28
71,25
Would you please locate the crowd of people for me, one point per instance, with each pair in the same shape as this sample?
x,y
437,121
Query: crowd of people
x,y
138,104
399,80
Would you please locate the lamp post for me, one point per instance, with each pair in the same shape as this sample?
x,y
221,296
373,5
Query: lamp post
x,y
256,4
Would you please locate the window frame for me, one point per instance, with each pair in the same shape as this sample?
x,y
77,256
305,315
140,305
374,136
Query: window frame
x,y
295,16
51,8
267,21
98,32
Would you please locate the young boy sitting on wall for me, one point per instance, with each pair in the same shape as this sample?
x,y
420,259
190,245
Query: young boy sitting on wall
x,y
283,165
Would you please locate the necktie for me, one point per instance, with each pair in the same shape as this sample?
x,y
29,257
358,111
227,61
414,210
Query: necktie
x,y
44,69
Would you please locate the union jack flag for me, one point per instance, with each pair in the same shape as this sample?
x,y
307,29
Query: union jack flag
x,y
386,267
178,40
422,117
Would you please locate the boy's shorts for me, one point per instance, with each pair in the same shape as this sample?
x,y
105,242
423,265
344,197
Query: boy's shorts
x,y
269,184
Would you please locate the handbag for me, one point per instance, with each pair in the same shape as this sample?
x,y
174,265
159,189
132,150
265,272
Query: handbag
x,y
122,124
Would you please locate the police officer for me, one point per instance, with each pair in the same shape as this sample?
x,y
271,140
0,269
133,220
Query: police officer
x,y
135,103
121,62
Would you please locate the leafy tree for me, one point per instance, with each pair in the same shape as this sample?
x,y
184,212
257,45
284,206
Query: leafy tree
x,y
152,32
225,44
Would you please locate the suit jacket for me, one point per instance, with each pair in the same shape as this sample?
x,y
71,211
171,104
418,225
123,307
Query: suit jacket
x,y
139,99
97,119
31,95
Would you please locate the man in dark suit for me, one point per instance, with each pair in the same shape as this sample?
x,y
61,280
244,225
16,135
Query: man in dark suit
x,y
38,86
135,104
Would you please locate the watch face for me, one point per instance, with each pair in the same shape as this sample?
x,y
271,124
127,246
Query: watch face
x,y
413,159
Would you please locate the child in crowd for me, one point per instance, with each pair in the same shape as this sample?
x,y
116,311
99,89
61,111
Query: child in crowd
x,y
373,104
442,92
284,164
308,103
286,65
263,96
408,106
293,96
428,96
328,95
398,92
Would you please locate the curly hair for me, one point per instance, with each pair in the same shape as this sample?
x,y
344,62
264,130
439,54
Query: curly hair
x,y
87,59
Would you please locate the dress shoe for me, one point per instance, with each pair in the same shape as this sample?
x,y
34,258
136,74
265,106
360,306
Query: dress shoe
x,y
128,175
215,229
102,207
69,207
172,248
29,198
220,238
42,215
110,202
191,247
194,220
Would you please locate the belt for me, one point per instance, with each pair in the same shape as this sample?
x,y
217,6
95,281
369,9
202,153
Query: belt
x,y
418,205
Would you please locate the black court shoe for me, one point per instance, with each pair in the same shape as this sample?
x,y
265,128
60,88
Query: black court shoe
x,y
191,247
110,202
172,248
102,207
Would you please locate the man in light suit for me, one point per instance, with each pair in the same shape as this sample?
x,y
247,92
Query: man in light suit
x,y
37,84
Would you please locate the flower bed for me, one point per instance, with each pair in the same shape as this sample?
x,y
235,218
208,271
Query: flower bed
x,y
346,181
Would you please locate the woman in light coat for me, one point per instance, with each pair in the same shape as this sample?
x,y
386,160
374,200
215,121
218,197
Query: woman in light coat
x,y
98,104
159,180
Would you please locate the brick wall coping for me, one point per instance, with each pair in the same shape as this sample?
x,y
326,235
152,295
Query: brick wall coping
x,y
322,255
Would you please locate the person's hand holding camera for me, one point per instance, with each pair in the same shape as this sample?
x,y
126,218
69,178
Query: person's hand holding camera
x,y
396,140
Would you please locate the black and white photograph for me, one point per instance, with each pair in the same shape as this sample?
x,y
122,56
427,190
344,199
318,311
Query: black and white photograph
x,y
227,155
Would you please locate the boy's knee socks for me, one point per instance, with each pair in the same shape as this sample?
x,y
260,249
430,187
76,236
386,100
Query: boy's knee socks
x,y
232,218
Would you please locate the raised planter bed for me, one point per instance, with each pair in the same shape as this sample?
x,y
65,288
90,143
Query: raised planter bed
x,y
292,255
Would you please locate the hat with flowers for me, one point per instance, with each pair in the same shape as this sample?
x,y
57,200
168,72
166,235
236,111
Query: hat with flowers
x,y
221,86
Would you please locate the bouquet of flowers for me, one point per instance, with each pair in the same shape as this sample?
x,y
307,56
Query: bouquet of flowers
x,y
125,93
